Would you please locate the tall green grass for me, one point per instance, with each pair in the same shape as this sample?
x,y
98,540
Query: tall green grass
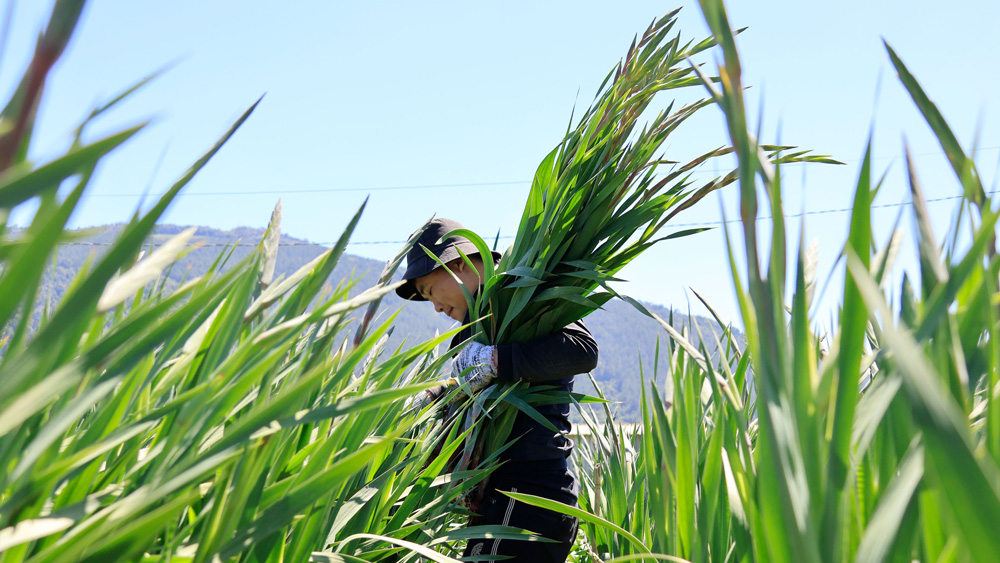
x,y
236,419
231,419
879,444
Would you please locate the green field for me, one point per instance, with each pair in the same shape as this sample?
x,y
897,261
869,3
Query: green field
x,y
239,415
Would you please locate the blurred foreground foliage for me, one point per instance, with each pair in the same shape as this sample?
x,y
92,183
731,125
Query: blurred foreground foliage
x,y
771,453
230,416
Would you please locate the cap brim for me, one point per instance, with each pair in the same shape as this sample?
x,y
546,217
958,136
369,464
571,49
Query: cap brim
x,y
420,269
409,291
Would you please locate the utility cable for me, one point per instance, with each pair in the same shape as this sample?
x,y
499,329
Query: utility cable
x,y
702,224
422,186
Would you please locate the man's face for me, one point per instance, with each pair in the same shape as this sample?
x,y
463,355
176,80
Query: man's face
x,y
441,289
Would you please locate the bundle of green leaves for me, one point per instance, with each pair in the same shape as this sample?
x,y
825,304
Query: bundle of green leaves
x,y
598,199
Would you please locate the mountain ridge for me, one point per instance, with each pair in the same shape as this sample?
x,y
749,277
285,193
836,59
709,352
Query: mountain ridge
x,y
627,339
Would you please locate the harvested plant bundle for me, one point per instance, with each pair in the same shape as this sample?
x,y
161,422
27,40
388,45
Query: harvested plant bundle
x,y
597,201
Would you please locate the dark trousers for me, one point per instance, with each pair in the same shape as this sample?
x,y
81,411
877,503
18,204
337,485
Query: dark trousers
x,y
499,509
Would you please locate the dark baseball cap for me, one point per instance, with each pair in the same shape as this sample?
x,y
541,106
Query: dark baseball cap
x,y
419,264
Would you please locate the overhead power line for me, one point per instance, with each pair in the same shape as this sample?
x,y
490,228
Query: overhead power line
x,y
331,190
415,187
239,244
674,225
825,211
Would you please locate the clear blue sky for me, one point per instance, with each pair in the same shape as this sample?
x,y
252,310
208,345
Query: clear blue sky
x,y
362,96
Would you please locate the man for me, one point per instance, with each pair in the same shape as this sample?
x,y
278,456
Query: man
x,y
538,461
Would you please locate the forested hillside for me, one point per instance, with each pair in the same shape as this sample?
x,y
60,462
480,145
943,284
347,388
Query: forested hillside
x,y
626,337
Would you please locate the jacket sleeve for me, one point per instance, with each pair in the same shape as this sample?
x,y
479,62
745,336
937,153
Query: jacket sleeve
x,y
569,352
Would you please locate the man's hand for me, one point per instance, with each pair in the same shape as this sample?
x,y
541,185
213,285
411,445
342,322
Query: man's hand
x,y
481,362
428,397
475,367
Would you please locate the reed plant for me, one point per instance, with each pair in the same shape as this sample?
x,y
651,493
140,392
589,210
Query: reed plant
x,y
876,444
230,419
234,418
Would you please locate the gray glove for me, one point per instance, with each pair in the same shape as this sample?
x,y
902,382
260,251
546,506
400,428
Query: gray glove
x,y
481,362
475,367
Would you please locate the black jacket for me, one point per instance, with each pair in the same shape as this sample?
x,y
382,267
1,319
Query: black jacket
x,y
552,360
